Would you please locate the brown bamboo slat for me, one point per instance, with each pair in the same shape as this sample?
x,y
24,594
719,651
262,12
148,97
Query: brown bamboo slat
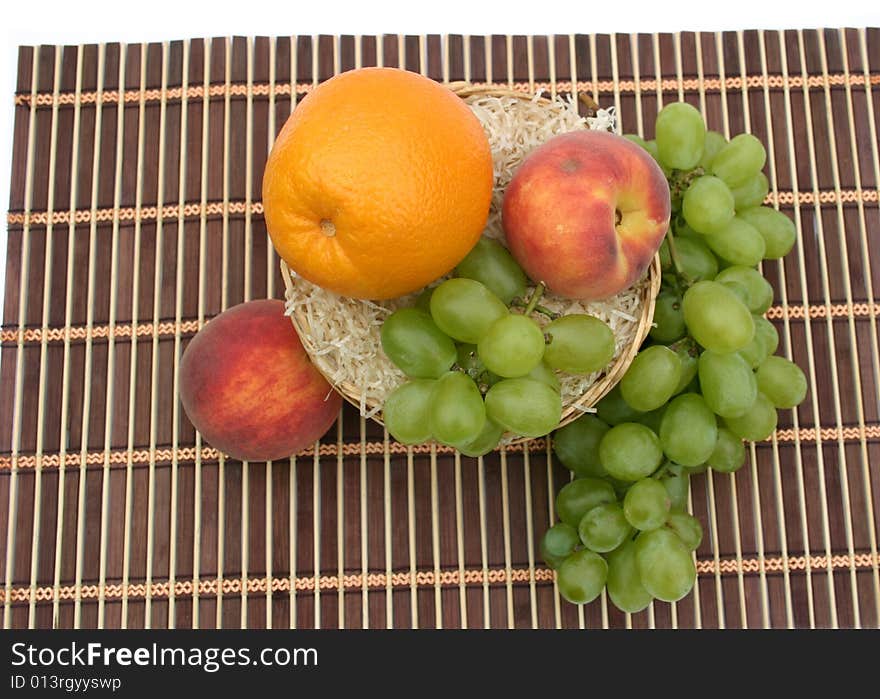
x,y
135,218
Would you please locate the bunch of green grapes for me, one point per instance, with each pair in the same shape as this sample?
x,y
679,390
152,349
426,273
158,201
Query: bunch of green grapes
x,y
706,379
479,364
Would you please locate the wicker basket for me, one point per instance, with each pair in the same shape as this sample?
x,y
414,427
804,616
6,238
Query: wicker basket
x,y
572,409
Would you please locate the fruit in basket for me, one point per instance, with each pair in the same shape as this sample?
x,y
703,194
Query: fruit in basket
x,y
730,382
512,346
456,414
524,406
578,343
248,386
407,410
379,183
491,264
585,213
501,369
465,309
415,344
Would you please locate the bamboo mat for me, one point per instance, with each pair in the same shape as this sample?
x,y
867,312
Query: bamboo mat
x,y
135,217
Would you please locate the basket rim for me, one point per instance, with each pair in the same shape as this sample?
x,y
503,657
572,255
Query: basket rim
x,y
597,390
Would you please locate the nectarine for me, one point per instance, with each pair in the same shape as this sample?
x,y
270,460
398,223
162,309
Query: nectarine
x,y
585,213
248,386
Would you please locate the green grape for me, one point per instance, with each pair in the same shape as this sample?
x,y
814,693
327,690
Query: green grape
x,y
763,344
544,374
729,453
727,382
758,423
755,352
653,419
687,528
423,300
777,229
578,344
688,431
666,567
604,528
716,318
646,504
759,293
680,135
677,488
707,204
524,406
782,381
580,496
683,230
577,445
406,411
624,584
416,345
751,193
714,143
665,257
558,543
768,333
668,318
491,264
457,414
484,442
737,242
689,355
651,378
696,259
651,147
635,138
630,451
581,577
693,470
739,160
464,309
614,410
512,346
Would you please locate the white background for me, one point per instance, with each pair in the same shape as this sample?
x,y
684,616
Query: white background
x,y
81,21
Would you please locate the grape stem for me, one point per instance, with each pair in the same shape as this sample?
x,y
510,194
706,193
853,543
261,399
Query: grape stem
x,y
533,300
680,180
688,344
673,254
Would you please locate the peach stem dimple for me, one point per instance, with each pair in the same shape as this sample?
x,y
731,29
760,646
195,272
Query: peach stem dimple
x,y
327,227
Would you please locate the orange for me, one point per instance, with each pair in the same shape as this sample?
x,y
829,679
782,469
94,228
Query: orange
x,y
378,184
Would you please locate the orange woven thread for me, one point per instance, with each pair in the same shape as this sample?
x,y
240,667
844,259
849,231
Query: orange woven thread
x,y
422,578
837,310
197,92
194,210
184,455
83,332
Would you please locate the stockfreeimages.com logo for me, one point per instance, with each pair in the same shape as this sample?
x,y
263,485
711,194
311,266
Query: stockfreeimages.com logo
x,y
208,659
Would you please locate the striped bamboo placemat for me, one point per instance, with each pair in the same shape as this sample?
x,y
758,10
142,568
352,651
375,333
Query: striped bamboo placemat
x,y
135,218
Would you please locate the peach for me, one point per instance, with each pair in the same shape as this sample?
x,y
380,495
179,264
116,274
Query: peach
x,y
585,213
248,385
